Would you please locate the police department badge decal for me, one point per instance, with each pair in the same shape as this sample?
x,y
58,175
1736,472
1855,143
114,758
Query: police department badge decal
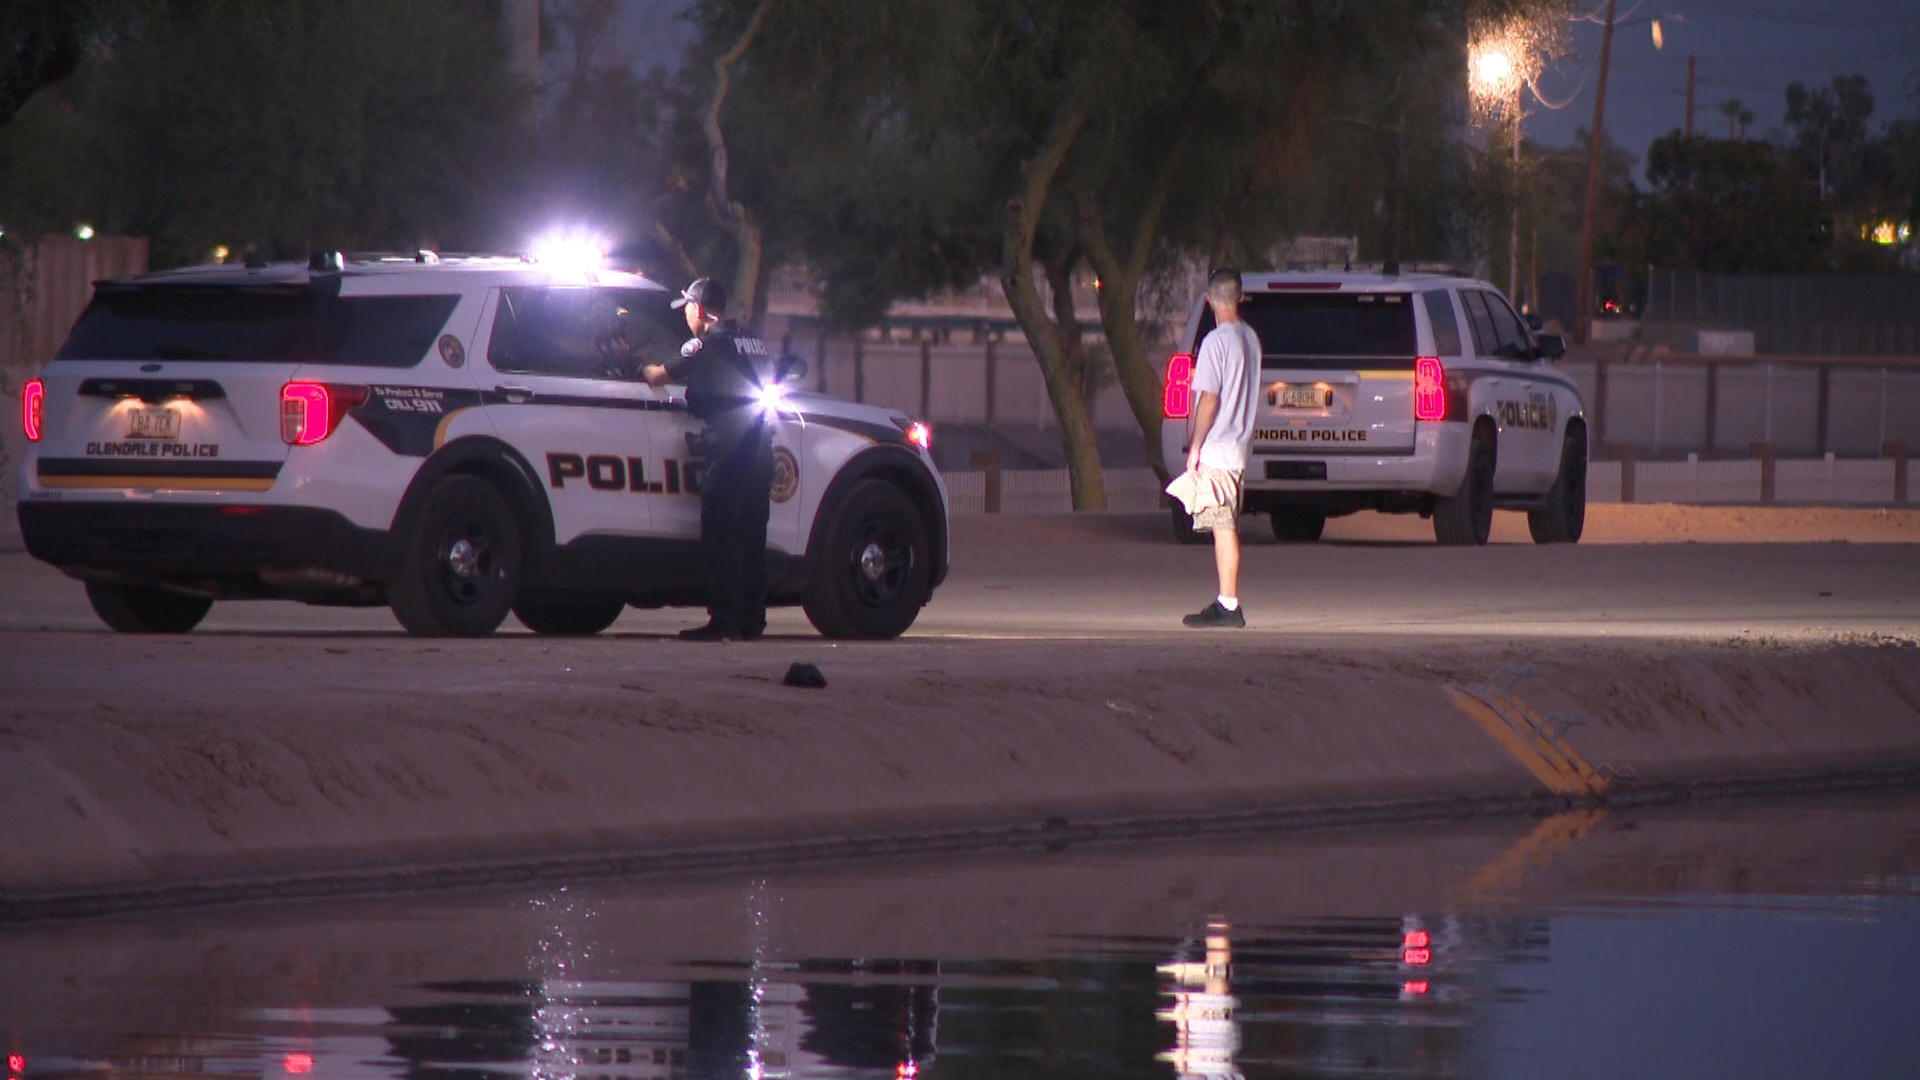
x,y
786,475
454,353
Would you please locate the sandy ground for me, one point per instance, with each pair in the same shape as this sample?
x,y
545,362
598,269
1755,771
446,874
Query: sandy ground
x,y
1047,693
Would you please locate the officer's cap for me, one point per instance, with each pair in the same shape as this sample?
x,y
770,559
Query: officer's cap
x,y
707,293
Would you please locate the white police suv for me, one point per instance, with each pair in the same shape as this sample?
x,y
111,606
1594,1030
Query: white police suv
x,y
1402,393
455,438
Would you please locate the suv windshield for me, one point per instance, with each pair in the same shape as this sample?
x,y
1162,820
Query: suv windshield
x,y
1300,330
272,324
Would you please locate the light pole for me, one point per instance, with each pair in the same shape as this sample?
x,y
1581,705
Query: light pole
x,y
1499,65
1584,320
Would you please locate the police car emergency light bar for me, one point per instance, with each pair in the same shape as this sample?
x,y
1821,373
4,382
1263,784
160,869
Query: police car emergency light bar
x,y
569,250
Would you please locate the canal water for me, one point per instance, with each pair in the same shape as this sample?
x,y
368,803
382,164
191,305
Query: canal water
x,y
1775,940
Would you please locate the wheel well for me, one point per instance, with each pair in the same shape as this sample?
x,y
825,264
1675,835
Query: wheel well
x,y
1484,431
497,465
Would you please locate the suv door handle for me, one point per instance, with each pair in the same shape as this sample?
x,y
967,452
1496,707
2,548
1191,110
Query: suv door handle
x,y
517,395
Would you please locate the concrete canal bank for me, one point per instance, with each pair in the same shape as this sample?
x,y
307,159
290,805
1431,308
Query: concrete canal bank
x,y
148,772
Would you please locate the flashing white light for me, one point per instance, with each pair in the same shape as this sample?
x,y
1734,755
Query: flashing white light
x,y
569,251
83,232
921,436
220,253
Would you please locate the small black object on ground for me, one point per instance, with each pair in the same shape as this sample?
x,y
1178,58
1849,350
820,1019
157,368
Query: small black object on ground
x,y
805,676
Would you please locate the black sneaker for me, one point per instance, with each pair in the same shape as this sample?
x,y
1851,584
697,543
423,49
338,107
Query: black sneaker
x,y
1213,615
711,632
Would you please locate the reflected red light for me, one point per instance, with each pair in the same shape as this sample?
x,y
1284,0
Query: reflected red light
x,y
299,1064
1417,957
17,1063
33,408
1178,402
1416,939
1414,988
907,1071
1429,389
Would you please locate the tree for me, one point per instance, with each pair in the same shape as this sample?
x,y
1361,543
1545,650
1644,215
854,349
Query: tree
x,y
1728,206
1827,122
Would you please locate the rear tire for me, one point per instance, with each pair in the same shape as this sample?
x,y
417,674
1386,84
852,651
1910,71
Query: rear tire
x,y
567,614
143,609
1564,517
459,563
1183,531
1298,526
1465,518
874,569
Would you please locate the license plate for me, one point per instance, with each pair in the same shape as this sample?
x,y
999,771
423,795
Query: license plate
x,y
155,424
1300,397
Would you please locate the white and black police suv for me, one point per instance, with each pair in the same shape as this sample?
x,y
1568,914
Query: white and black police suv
x,y
1401,393
455,438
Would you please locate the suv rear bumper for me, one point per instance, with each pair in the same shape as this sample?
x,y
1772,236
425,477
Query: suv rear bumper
x,y
220,548
1434,465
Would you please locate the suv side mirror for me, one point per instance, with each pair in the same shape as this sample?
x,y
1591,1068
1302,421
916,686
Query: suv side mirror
x,y
1549,346
789,367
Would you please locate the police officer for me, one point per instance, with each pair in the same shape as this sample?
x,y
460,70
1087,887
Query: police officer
x,y
724,368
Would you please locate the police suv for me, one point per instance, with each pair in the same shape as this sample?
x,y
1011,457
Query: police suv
x,y
1402,393
455,438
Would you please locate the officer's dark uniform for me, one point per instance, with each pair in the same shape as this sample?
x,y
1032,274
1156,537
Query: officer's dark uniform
x,y
724,372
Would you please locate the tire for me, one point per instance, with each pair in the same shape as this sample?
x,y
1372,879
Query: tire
x,y
143,609
459,562
1465,518
1565,516
1183,531
873,571
1298,526
567,614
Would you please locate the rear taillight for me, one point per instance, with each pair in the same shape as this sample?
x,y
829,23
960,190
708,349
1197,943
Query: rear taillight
x,y
33,408
1429,389
310,411
1178,401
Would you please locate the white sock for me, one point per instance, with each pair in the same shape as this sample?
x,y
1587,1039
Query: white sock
x,y
1231,603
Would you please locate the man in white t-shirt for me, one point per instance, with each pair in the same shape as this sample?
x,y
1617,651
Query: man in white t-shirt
x,y
1226,382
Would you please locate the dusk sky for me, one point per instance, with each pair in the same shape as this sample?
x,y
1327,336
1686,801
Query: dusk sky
x,y
1745,49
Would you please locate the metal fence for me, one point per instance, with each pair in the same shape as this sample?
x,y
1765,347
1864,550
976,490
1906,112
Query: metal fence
x,y
1788,314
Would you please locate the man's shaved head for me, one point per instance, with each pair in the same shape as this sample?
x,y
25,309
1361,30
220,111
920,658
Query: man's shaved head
x,y
1224,286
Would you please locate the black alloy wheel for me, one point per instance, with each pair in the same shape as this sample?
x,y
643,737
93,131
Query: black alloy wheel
x,y
146,609
875,566
460,569
1564,517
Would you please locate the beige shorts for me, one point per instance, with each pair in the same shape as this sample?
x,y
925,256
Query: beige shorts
x,y
1221,518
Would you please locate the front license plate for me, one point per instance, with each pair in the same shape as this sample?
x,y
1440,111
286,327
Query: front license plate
x,y
1301,397
155,423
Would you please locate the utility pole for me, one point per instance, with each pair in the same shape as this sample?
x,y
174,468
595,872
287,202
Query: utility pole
x,y
1689,96
1513,235
1585,317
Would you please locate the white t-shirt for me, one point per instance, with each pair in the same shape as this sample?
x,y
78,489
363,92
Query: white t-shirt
x,y
1229,368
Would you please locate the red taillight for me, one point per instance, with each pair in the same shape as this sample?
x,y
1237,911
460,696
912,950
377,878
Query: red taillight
x,y
309,411
1429,389
1416,939
33,408
17,1063
298,1064
1178,401
1416,957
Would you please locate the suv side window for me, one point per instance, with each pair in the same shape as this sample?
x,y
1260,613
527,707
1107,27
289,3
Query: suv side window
x,y
1514,343
1485,342
1446,328
581,332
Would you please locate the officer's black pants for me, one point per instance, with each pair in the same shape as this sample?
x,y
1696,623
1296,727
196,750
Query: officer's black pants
x,y
733,533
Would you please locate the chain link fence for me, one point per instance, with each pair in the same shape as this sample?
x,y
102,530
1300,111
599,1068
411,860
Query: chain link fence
x,y
1823,315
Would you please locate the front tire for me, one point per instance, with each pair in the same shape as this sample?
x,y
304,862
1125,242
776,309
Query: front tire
x,y
567,614
143,609
873,572
460,563
1465,518
1564,517
1298,526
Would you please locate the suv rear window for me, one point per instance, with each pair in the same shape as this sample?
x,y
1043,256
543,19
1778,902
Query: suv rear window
x,y
257,325
1298,330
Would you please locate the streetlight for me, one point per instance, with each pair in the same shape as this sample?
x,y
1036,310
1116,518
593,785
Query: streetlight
x,y
1501,62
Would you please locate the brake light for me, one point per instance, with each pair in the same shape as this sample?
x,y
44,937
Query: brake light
x,y
33,408
1429,389
310,411
1178,401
